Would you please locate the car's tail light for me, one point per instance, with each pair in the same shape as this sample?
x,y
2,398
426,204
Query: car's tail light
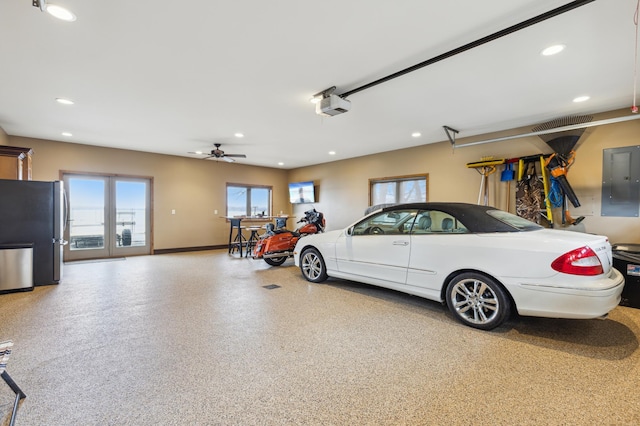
x,y
581,261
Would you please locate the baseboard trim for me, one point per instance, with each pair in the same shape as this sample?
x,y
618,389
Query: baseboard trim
x,y
187,249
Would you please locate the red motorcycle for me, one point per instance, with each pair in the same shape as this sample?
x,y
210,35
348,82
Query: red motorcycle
x,y
276,245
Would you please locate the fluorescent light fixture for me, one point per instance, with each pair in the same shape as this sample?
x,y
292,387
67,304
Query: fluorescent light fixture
x,y
280,163
60,13
64,101
67,134
332,153
581,99
552,50
239,135
199,152
416,134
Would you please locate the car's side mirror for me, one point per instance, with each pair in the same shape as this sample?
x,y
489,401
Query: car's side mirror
x,y
350,231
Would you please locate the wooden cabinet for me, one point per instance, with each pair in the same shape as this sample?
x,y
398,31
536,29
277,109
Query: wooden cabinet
x,y
15,162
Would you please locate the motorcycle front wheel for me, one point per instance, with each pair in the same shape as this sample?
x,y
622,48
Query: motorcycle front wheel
x,y
276,261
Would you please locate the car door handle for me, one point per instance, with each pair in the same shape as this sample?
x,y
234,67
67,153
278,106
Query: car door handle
x,y
401,243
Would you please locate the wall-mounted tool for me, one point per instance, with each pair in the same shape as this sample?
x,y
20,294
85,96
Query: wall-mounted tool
x,y
485,167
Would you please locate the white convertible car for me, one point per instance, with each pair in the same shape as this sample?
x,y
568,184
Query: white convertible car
x,y
482,262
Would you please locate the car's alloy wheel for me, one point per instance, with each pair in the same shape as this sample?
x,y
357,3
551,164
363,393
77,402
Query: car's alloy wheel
x,y
312,266
478,301
275,261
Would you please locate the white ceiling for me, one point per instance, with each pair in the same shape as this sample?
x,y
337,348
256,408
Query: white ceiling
x,y
173,77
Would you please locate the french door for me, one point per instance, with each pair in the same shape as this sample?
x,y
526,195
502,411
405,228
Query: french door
x,y
108,216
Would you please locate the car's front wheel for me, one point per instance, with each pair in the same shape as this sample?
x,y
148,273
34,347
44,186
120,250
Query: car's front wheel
x,y
478,300
312,266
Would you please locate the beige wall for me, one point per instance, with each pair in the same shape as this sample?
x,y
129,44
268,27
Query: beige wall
x,y
342,186
4,138
193,187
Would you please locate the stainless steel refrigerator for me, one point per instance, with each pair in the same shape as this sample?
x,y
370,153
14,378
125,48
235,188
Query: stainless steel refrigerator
x,y
33,212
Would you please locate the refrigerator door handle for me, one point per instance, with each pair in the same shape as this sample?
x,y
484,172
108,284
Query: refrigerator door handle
x,y
66,208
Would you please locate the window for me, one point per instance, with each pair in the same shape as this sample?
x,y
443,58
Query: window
x,y
248,200
434,222
402,189
391,223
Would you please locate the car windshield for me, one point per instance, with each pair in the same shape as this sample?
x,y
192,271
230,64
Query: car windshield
x,y
517,222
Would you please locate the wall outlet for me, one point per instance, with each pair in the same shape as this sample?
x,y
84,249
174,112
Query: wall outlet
x,y
173,211
215,212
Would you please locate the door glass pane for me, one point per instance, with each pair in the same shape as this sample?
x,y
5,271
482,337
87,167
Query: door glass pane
x,y
387,223
131,209
86,214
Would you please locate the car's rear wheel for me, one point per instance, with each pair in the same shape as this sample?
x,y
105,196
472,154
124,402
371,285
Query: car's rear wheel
x,y
275,261
312,266
478,300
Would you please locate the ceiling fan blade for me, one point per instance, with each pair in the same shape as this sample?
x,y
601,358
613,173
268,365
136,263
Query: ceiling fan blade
x,y
219,154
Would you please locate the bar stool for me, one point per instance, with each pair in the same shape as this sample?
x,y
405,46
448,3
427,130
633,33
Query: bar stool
x,y
253,238
5,351
239,240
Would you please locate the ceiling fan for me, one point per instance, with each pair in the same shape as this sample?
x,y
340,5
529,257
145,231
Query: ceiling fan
x,y
219,154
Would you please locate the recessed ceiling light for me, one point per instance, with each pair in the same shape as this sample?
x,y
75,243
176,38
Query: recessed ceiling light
x,y
581,99
416,134
552,50
280,163
64,101
60,13
239,135
199,152
332,153
67,134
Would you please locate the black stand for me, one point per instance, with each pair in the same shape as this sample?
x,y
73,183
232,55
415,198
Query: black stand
x,y
19,395
253,239
239,239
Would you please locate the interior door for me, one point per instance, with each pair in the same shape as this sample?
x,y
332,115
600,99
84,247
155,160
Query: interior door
x,y
108,216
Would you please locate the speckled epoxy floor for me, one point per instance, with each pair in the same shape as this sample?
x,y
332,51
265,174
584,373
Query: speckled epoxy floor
x,y
196,339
